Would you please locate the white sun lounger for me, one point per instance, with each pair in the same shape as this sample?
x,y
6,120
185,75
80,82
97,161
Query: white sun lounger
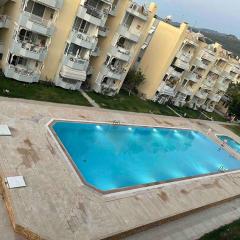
x,y
4,130
15,182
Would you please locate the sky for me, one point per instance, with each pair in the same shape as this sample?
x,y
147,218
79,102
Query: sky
x,y
220,15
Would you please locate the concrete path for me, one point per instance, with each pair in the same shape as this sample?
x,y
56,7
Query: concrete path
x,y
194,226
90,100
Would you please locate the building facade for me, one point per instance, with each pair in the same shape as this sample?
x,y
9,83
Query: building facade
x,y
182,69
60,41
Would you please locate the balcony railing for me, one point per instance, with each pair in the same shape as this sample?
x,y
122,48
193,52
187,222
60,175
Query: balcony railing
x,y
214,97
181,64
199,63
22,74
184,56
83,40
37,24
95,12
129,33
172,72
103,31
194,77
186,90
121,53
114,72
201,94
208,55
138,11
164,89
29,50
76,62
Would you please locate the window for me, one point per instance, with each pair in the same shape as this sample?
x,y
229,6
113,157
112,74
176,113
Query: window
x,y
81,25
35,8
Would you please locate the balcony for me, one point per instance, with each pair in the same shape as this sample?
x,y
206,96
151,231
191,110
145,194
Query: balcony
x,y
114,73
186,90
121,53
4,21
201,94
194,77
235,69
172,72
209,83
138,11
56,4
29,50
214,97
75,62
164,89
216,70
92,15
222,85
226,74
37,24
199,63
129,33
208,107
83,40
113,10
72,75
184,56
96,52
181,64
103,31
22,74
208,55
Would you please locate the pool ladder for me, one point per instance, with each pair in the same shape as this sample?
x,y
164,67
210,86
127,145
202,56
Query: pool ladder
x,y
116,122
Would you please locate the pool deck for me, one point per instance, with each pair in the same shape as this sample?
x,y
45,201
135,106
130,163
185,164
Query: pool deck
x,y
57,205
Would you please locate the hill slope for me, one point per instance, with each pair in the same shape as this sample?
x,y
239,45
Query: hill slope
x,y
229,42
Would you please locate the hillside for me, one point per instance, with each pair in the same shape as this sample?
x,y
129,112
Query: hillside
x,y
229,42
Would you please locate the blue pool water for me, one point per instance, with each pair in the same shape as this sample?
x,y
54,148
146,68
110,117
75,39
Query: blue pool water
x,y
112,157
230,142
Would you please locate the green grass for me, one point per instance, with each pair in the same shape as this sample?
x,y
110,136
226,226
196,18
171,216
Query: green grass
x,y
228,232
234,128
190,113
216,116
131,103
40,92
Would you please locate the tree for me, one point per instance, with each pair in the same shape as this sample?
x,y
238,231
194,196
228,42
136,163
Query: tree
x,y
234,93
133,79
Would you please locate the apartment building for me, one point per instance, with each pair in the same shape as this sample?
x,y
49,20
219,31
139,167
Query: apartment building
x,y
125,35
59,41
181,68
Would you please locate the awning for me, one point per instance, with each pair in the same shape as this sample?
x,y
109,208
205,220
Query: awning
x,y
74,74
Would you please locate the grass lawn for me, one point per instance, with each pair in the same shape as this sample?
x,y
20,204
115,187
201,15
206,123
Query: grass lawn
x,y
190,113
130,103
40,92
216,116
234,128
228,232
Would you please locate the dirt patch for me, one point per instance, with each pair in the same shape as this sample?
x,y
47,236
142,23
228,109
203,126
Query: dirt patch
x,y
28,154
163,196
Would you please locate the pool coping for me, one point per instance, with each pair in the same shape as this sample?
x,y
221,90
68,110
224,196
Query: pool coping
x,y
141,187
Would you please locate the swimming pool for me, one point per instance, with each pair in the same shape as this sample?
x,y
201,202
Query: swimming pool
x,y
111,158
230,142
